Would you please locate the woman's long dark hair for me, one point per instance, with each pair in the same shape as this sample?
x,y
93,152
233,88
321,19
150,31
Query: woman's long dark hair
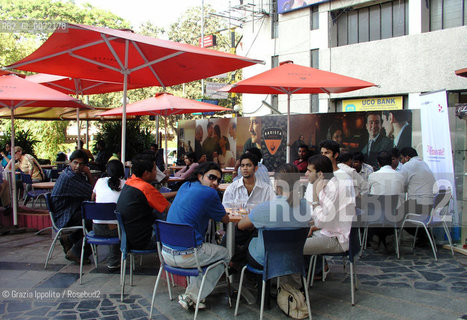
x,y
116,172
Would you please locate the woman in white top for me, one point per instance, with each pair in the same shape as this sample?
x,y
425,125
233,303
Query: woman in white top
x,y
108,190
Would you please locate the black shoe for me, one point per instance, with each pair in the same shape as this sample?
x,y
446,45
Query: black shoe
x,y
66,243
70,255
114,267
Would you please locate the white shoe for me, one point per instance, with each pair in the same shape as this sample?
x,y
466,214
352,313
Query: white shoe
x,y
201,306
185,301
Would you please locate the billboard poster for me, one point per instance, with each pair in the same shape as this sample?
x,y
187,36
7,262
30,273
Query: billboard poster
x,y
352,130
284,6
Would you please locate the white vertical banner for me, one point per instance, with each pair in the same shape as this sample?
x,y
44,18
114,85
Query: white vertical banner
x,y
436,140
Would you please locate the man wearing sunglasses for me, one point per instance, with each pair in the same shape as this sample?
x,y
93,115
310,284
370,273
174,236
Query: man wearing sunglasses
x,y
196,202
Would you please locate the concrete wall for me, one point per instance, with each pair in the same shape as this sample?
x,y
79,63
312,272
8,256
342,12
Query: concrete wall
x,y
408,65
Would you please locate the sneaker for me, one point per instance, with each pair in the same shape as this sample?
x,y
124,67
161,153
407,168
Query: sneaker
x,y
201,306
114,267
185,301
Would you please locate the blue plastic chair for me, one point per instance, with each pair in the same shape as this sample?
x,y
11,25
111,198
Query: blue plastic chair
x,y
354,250
30,192
101,211
127,252
181,235
58,231
283,256
435,218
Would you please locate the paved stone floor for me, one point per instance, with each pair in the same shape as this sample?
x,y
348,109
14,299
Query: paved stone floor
x,y
414,287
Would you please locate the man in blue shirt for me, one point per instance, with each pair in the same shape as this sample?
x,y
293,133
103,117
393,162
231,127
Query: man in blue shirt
x,y
196,202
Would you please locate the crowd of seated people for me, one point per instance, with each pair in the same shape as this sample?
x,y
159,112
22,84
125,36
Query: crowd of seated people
x,y
336,181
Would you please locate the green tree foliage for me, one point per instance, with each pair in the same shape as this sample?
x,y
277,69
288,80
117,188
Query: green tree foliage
x,y
15,46
138,137
23,139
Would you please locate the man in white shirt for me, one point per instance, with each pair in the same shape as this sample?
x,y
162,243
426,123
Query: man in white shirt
x,y
344,163
386,180
260,174
361,167
246,192
419,180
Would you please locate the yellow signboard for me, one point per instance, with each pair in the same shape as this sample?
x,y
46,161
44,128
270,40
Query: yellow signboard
x,y
372,104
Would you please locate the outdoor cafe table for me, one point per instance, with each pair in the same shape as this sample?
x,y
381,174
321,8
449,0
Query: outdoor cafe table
x,y
48,166
175,179
44,185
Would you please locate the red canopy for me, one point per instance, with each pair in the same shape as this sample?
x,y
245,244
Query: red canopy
x,y
99,53
78,86
165,104
290,78
105,54
17,92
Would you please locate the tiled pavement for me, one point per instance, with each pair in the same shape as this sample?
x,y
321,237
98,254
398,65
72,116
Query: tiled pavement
x,y
415,287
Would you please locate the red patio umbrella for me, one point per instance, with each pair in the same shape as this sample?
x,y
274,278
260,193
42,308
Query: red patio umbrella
x,y
78,87
165,104
16,92
105,54
290,78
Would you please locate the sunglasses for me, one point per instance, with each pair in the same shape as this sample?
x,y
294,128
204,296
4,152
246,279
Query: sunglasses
x,y
213,177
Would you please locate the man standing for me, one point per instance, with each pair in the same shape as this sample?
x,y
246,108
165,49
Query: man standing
x,y
419,180
210,144
397,127
255,134
196,202
140,204
74,185
377,142
301,163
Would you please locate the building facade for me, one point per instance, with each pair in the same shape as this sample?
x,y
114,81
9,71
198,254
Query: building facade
x,y
406,47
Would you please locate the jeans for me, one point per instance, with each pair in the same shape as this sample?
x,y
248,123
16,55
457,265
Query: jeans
x,y
102,230
207,254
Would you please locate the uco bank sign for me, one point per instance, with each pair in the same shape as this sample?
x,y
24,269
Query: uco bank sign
x,y
372,104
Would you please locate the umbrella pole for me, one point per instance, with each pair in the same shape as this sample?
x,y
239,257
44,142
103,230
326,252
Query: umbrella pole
x,y
125,88
12,169
288,129
77,126
166,156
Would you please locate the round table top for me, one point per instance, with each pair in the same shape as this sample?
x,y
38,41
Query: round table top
x,y
44,185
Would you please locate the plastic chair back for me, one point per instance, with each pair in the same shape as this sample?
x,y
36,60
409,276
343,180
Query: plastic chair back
x,y
441,200
283,252
175,235
26,178
100,211
48,203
